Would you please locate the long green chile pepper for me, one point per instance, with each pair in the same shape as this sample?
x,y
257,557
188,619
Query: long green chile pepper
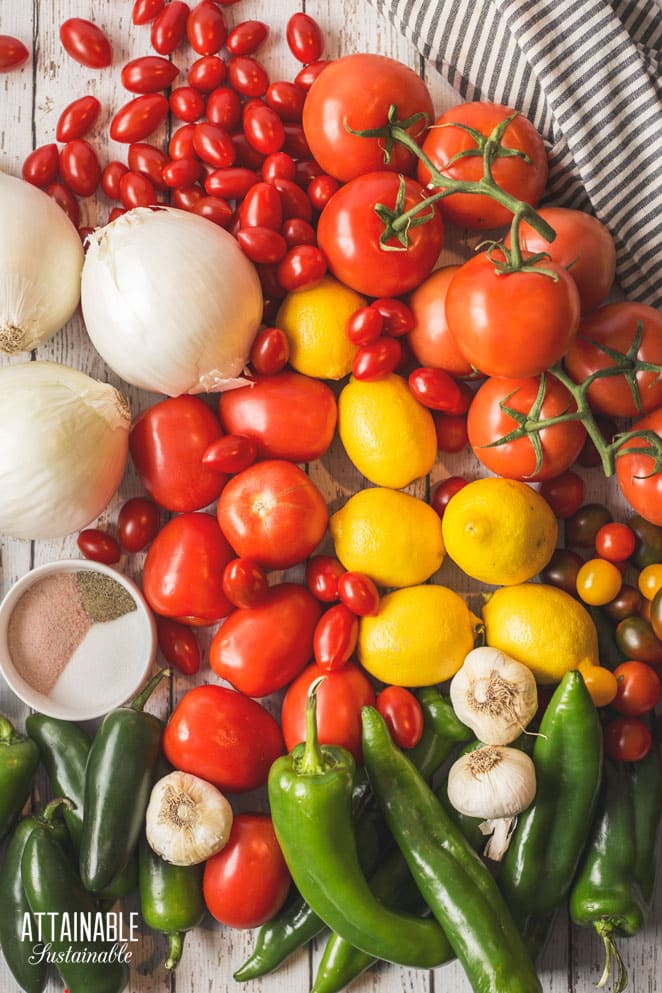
x,y
19,759
646,780
310,800
30,974
459,890
118,780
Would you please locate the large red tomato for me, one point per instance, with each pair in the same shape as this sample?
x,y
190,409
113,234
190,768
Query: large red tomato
x,y
511,324
224,737
261,649
640,484
247,882
290,416
524,176
167,443
430,340
356,92
350,228
487,422
583,246
183,571
616,326
339,700
273,513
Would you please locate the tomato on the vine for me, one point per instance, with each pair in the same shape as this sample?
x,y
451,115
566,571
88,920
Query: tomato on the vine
x,y
403,715
638,689
430,339
640,484
627,739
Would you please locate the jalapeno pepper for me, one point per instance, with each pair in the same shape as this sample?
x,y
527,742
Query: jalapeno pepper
x,y
118,779
646,779
19,759
310,794
459,890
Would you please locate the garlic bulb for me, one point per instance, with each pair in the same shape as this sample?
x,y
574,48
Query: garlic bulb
x,y
41,257
64,441
188,820
494,695
492,782
170,301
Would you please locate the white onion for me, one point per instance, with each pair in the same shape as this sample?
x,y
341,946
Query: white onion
x,y
63,449
170,301
41,257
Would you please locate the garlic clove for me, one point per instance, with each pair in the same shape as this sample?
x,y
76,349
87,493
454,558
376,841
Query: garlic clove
x,y
188,820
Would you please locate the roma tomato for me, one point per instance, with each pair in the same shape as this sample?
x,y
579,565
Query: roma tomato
x,y
244,583
183,571
99,546
77,118
335,637
349,232
640,484
323,574
139,118
273,513
223,737
206,29
289,416
86,43
246,883
358,592
41,166
261,649
627,739
489,315
638,689
138,522
13,53
332,104
454,145
615,327
179,645
340,698
403,715
430,339
79,167
488,422
148,74
167,443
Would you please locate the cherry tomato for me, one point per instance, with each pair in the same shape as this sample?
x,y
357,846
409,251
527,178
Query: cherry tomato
x,y
110,179
41,166
169,27
452,434
450,139
638,689
263,127
86,43
637,640
246,154
286,99
261,207
65,199
148,74
364,326
148,160
187,103
349,233
340,698
13,53
139,117
627,739
321,189
247,882
145,11
247,76
215,210
335,103
302,267
224,108
359,593
223,737
180,145
307,76
138,522
246,37
213,145
582,527
598,582
403,715
443,492
615,542
273,513
179,645
207,73
206,29
99,546
304,38
244,583
562,570
186,197
115,213
269,352
434,388
650,580
398,318
626,603
176,432
323,573
278,165
262,244
136,190
600,683
260,649
376,360
79,167
231,183
181,172
77,118
335,637
564,493
640,484
230,454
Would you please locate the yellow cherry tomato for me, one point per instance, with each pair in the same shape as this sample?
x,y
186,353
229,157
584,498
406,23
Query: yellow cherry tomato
x,y
598,582
650,580
601,684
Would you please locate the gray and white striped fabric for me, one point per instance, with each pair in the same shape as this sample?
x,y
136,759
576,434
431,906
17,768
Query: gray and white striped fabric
x,y
586,72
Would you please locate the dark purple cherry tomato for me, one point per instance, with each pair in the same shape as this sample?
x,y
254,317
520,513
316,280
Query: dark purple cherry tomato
x,y
359,593
303,266
41,166
13,53
562,570
138,522
582,526
136,190
206,29
627,739
376,360
207,73
181,142
335,637
79,167
213,145
397,316
181,172
65,199
286,99
86,43
323,573
627,603
261,207
224,108
139,117
179,645
187,103
145,11
403,715
564,493
364,326
304,38
150,161
444,491
230,454
214,209
263,127
77,119
637,640
99,546
244,583
270,351
452,433
169,27
148,74
247,76
246,37
232,183
307,76
262,244
434,388
296,231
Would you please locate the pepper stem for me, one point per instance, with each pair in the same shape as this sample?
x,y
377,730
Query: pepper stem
x,y
312,760
175,949
8,733
612,956
145,694
54,806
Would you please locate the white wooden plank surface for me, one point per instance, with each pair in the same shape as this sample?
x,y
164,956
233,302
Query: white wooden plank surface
x,y
30,102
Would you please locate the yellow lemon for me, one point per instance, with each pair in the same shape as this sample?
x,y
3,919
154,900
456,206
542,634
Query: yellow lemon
x,y
499,531
387,434
420,636
314,321
543,627
392,537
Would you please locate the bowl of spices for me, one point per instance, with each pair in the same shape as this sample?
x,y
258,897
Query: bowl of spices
x,y
76,639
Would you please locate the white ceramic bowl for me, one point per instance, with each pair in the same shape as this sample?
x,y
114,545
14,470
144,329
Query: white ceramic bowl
x,y
112,680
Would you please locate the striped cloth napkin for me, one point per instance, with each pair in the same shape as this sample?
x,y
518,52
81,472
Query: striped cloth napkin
x,y
586,72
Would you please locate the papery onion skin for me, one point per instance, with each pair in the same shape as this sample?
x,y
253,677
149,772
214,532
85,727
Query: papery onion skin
x,y
170,301
41,258
63,449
